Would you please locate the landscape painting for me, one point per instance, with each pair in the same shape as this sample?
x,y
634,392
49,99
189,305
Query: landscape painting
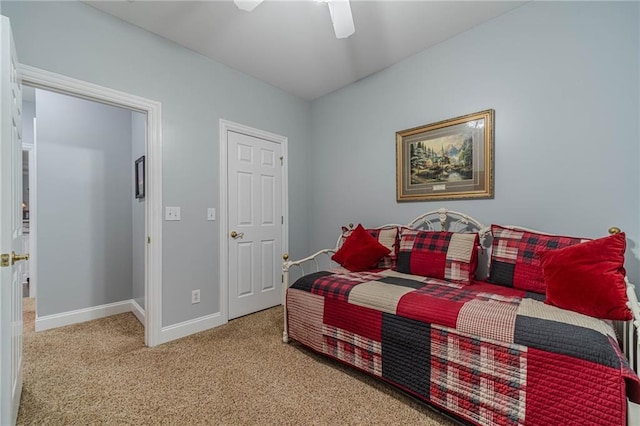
x,y
450,159
444,159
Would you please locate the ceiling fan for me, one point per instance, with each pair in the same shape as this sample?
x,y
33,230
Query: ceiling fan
x,y
340,11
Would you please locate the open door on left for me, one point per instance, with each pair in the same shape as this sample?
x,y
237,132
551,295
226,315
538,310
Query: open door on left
x,y
10,228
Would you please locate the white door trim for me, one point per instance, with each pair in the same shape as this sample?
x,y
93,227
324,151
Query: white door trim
x,y
153,207
225,127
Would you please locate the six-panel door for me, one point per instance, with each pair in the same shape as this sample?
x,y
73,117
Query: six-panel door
x,y
255,223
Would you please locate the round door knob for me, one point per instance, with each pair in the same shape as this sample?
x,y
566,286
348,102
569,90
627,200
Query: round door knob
x,y
234,234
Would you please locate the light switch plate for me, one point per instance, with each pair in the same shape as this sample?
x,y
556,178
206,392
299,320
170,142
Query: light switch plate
x,y
211,213
171,213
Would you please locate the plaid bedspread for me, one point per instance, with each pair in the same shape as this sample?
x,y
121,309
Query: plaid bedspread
x,y
488,354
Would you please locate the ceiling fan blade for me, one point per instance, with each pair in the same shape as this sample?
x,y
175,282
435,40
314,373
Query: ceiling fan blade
x,y
247,5
341,17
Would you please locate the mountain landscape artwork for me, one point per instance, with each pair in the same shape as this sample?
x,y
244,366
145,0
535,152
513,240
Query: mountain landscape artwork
x,y
446,160
443,159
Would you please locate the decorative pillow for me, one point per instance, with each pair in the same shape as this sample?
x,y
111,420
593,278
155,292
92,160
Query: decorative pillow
x,y
444,255
360,251
588,278
514,262
388,237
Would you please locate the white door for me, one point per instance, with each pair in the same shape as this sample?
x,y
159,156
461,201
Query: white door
x,y
10,228
254,176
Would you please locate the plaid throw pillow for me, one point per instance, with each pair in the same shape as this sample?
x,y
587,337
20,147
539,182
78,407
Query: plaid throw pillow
x,y
388,237
451,256
514,258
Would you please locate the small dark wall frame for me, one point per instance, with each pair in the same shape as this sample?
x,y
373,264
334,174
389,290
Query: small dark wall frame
x,y
140,174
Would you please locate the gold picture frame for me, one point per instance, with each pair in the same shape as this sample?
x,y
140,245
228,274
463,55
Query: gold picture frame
x,y
448,160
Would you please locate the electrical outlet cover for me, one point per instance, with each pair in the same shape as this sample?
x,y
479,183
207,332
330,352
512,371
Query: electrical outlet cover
x,y
171,213
195,296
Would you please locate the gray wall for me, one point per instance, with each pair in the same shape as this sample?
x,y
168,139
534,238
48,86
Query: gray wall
x,y
28,114
562,77
138,140
74,39
563,80
84,203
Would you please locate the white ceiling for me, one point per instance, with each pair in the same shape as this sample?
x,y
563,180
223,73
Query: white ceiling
x,y
291,44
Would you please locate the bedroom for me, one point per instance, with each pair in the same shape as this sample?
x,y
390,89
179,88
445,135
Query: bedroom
x,y
561,76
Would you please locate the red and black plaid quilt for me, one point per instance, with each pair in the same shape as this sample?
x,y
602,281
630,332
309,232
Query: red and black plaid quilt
x,y
488,354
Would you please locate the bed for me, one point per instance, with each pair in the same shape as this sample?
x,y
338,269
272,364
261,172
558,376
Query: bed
x,y
435,319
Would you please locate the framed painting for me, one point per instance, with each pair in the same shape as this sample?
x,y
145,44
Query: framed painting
x,y
448,160
139,168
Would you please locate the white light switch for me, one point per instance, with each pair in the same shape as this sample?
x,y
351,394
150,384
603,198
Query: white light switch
x,y
211,213
171,213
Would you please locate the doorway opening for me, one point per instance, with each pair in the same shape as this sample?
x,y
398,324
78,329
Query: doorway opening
x,y
79,197
142,123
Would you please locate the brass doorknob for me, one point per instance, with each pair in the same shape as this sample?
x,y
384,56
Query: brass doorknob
x,y
235,234
16,257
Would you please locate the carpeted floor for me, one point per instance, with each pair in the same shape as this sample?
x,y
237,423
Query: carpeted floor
x,y
100,372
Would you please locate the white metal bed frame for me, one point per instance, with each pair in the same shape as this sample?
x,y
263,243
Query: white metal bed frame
x,y
445,219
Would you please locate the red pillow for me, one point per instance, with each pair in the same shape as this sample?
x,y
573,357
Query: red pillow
x,y
588,278
360,251
388,237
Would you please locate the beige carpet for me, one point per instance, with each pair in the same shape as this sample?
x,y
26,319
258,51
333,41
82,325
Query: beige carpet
x,y
100,372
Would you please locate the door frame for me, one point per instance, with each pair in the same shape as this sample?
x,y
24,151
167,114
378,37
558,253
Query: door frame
x,y
225,127
153,207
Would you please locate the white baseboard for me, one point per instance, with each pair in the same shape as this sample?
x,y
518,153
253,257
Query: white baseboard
x,y
138,312
81,315
167,334
184,329
87,314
